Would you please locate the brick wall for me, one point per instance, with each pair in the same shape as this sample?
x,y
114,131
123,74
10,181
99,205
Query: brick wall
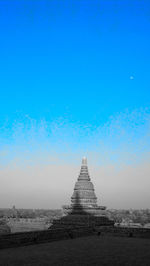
x,y
124,231
36,237
29,238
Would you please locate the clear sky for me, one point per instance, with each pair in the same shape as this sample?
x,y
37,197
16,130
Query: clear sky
x,y
74,81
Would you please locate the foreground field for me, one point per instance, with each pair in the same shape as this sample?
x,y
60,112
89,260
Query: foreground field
x,y
86,251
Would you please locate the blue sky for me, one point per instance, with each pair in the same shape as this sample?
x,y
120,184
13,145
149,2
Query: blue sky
x,y
74,59
74,81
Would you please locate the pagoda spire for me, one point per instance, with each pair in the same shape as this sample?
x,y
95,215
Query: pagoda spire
x,y
84,174
84,161
84,195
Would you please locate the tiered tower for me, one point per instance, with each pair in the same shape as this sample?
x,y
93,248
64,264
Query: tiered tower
x,y
84,200
83,211
84,189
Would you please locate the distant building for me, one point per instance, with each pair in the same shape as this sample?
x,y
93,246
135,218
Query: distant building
x,y
147,225
4,228
15,213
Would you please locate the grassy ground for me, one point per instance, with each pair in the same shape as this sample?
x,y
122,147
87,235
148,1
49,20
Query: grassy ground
x,y
94,250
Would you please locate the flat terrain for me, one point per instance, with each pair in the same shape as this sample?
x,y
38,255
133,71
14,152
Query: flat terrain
x,y
94,250
27,226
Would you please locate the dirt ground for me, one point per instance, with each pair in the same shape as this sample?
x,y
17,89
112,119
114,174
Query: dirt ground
x,y
94,250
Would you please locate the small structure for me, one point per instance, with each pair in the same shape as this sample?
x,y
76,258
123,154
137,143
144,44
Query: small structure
x,y
15,213
83,210
4,228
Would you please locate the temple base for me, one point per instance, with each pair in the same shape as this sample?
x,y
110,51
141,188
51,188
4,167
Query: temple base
x,y
79,216
84,210
77,220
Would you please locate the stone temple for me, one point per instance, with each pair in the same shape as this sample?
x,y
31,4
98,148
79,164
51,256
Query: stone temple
x,y
83,210
84,200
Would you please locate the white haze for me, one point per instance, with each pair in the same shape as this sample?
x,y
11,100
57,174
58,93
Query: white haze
x,y
51,186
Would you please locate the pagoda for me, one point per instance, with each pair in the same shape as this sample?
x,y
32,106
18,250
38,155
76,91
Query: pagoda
x,y
83,211
84,200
